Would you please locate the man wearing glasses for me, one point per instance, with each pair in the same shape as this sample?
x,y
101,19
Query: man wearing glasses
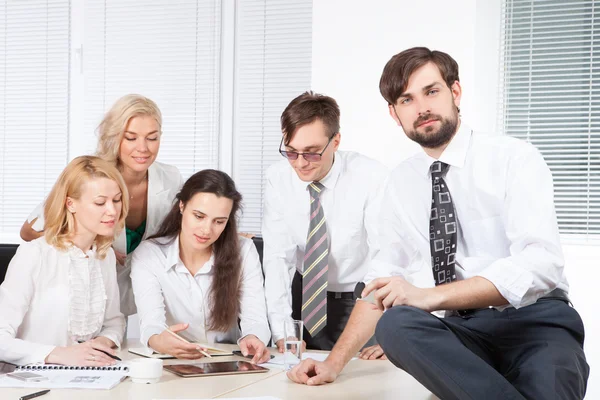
x,y
319,223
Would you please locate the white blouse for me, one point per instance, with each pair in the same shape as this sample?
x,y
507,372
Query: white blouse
x,y
166,293
164,182
54,298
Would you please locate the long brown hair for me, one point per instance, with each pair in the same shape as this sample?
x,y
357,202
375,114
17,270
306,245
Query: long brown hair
x,y
225,291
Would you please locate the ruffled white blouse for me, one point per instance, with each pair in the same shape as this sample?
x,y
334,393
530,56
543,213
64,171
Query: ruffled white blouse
x,y
54,298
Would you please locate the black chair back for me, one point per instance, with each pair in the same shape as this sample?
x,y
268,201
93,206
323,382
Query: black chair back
x,y
258,242
7,251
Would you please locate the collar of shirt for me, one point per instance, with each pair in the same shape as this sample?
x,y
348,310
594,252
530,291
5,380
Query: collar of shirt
x,y
454,154
75,252
174,260
329,180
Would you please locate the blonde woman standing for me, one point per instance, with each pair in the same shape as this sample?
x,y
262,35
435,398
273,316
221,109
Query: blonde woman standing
x,y
61,289
129,138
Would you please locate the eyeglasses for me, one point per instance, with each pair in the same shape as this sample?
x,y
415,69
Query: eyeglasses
x,y
310,157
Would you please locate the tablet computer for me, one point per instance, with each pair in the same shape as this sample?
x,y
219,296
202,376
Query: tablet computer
x,y
215,368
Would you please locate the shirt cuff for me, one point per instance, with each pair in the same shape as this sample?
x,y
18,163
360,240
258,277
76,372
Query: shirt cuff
x,y
512,281
147,333
39,355
277,332
116,338
262,334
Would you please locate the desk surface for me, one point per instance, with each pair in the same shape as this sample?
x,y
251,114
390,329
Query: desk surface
x,y
360,380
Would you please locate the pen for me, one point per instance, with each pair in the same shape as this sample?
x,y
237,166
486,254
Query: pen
x,y
34,395
102,351
110,355
187,341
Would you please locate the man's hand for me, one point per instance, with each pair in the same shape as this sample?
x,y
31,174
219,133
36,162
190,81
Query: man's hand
x,y
372,353
313,373
396,291
281,345
250,344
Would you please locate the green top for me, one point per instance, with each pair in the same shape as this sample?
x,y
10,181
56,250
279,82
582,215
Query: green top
x,y
134,237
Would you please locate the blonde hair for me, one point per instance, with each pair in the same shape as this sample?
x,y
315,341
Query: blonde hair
x,y
59,223
112,127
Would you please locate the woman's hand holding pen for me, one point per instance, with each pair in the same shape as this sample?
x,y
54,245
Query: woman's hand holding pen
x,y
88,354
169,343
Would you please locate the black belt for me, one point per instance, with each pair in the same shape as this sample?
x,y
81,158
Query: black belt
x,y
341,295
556,294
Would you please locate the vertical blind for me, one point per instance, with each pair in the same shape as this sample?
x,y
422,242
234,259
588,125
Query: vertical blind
x,y
273,65
34,105
550,77
165,50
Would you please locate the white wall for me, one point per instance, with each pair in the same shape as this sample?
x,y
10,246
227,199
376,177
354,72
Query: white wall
x,y
351,44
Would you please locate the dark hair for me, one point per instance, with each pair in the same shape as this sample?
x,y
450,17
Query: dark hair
x,y
307,108
225,291
398,70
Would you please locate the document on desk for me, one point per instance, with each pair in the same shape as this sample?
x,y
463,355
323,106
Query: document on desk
x,y
144,352
63,377
277,361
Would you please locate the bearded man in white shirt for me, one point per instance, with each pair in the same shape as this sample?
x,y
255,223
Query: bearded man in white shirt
x,y
470,233
319,219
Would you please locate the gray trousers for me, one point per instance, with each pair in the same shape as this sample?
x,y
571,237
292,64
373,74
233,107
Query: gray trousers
x,y
535,352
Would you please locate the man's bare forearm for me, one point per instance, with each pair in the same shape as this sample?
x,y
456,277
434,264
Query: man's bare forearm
x,y
476,292
360,328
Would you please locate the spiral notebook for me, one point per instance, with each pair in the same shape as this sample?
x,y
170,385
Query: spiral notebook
x,y
65,377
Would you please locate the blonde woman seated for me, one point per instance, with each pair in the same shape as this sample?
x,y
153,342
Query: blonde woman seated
x,y
62,288
198,276
129,138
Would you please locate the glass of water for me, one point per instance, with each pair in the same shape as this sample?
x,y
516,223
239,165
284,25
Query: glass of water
x,y
292,355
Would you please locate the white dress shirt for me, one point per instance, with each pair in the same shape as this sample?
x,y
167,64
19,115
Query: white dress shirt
x,y
350,201
167,293
164,182
36,301
503,197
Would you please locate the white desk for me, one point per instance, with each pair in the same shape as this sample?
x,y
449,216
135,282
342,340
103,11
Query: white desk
x,y
360,380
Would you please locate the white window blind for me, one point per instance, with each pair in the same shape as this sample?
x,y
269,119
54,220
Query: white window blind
x,y
551,97
273,65
34,105
168,51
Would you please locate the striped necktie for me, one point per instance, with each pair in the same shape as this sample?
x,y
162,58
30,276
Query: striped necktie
x,y
314,275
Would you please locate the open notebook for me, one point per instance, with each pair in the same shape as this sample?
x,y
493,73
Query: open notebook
x,y
142,351
64,377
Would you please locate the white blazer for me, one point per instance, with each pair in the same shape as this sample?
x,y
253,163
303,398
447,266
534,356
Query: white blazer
x,y
164,182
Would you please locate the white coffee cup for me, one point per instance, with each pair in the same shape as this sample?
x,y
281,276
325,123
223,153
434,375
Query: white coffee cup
x,y
145,370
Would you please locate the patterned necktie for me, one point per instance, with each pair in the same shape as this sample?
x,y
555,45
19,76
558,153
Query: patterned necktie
x,y
442,227
314,275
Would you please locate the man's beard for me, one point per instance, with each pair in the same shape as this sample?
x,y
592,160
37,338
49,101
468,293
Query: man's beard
x,y
430,138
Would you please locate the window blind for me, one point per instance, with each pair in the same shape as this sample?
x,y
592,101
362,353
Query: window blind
x,y
550,77
34,105
168,51
273,65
